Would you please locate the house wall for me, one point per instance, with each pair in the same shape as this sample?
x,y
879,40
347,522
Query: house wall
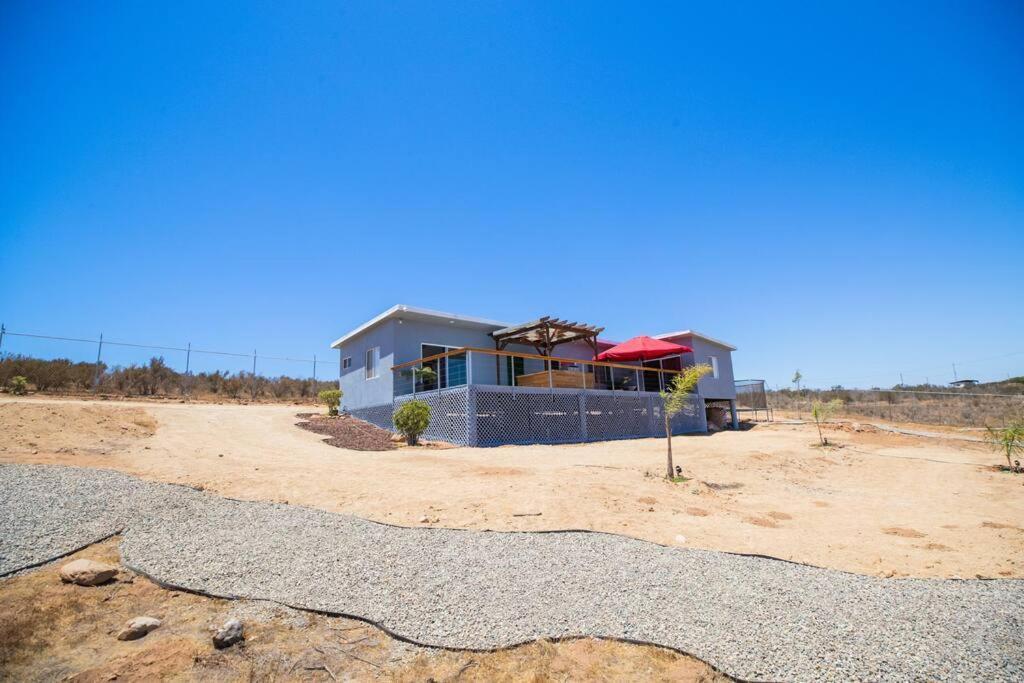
x,y
722,388
357,391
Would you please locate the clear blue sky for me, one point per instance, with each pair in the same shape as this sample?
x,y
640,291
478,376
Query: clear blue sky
x,y
836,189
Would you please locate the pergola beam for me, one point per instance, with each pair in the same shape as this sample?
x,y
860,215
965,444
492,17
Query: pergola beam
x,y
545,333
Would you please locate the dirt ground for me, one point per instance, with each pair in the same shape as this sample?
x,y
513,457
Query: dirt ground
x,y
55,631
881,504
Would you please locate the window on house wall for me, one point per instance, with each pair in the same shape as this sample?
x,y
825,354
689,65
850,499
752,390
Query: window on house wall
x,y
714,366
449,370
372,361
346,363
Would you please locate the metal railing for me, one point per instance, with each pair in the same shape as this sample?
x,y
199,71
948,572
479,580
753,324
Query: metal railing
x,y
465,365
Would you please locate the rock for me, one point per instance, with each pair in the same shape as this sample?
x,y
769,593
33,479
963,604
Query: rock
x,y
87,572
137,627
228,634
397,438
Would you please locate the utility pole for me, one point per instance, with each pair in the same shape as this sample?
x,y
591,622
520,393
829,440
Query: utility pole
x,y
252,389
314,373
96,378
955,378
188,361
2,331
901,380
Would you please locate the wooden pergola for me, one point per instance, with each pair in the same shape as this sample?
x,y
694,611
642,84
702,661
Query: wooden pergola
x,y
544,334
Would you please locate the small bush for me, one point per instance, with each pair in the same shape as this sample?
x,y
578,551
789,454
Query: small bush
x,y
19,385
411,420
332,399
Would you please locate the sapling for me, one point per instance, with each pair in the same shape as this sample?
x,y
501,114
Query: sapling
x,y
822,412
1008,440
675,399
332,399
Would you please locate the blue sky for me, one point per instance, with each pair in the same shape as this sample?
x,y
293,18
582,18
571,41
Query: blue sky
x,y
836,189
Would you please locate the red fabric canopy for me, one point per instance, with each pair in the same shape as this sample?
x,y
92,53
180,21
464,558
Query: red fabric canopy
x,y
642,348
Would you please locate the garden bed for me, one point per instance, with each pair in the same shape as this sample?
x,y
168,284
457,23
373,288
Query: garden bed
x,y
346,431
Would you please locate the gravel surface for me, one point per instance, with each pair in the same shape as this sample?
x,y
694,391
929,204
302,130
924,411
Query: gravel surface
x,y
751,617
46,512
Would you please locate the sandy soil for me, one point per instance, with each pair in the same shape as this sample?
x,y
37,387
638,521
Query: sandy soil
x,y
881,504
55,631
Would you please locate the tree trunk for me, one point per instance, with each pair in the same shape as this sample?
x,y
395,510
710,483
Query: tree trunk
x,y
820,437
668,435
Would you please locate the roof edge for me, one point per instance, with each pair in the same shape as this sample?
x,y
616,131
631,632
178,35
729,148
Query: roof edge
x,y
399,309
694,333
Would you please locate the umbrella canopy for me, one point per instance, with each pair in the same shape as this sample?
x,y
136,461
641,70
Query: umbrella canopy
x,y
642,348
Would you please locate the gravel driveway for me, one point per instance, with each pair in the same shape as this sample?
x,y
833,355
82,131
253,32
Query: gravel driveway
x,y
753,618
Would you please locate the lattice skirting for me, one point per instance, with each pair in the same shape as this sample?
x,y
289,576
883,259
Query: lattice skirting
x,y
480,415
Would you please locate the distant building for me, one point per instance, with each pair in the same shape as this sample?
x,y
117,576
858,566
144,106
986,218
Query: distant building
x,y
964,383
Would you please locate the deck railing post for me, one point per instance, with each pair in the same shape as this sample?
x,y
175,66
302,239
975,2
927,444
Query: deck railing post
x,y
638,380
469,368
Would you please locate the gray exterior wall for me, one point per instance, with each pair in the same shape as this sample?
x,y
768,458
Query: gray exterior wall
x,y
724,386
357,391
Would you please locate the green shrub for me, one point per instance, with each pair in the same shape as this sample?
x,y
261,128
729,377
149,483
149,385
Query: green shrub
x,y
332,398
411,420
19,385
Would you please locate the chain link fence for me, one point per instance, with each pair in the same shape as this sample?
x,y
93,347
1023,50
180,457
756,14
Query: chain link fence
x,y
67,364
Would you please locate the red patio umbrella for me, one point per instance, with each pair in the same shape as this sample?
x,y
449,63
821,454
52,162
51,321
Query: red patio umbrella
x,y
642,348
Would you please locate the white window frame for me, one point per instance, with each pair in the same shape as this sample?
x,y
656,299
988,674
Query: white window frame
x,y
371,353
714,366
346,362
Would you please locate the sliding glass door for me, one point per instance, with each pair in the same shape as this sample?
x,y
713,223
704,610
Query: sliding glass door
x,y
446,371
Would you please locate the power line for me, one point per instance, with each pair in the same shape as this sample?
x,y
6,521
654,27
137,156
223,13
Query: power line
x,y
154,347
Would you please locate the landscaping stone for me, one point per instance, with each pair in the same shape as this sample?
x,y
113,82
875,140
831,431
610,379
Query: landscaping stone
x,y
137,628
87,572
228,634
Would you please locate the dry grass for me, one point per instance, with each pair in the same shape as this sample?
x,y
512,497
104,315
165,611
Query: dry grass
x,y
955,408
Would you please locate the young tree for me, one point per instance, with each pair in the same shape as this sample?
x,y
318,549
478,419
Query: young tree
x,y
821,412
332,399
675,399
796,379
1008,439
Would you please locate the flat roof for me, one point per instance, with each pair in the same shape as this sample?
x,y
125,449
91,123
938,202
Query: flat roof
x,y
399,310
414,312
693,333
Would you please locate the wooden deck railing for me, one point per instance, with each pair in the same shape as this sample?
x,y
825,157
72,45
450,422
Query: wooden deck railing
x,y
585,377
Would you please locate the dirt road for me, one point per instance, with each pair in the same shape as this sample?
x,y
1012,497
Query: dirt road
x,y
882,504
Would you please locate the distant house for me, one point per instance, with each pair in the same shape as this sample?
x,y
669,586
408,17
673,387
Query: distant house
x,y
490,382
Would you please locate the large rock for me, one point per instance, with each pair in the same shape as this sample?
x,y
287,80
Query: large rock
x,y
228,634
138,627
87,572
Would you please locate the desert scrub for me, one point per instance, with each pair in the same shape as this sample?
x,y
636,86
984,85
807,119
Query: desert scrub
x,y
332,399
19,385
411,420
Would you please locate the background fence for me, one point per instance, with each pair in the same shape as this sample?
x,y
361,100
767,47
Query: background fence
x,y
104,365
